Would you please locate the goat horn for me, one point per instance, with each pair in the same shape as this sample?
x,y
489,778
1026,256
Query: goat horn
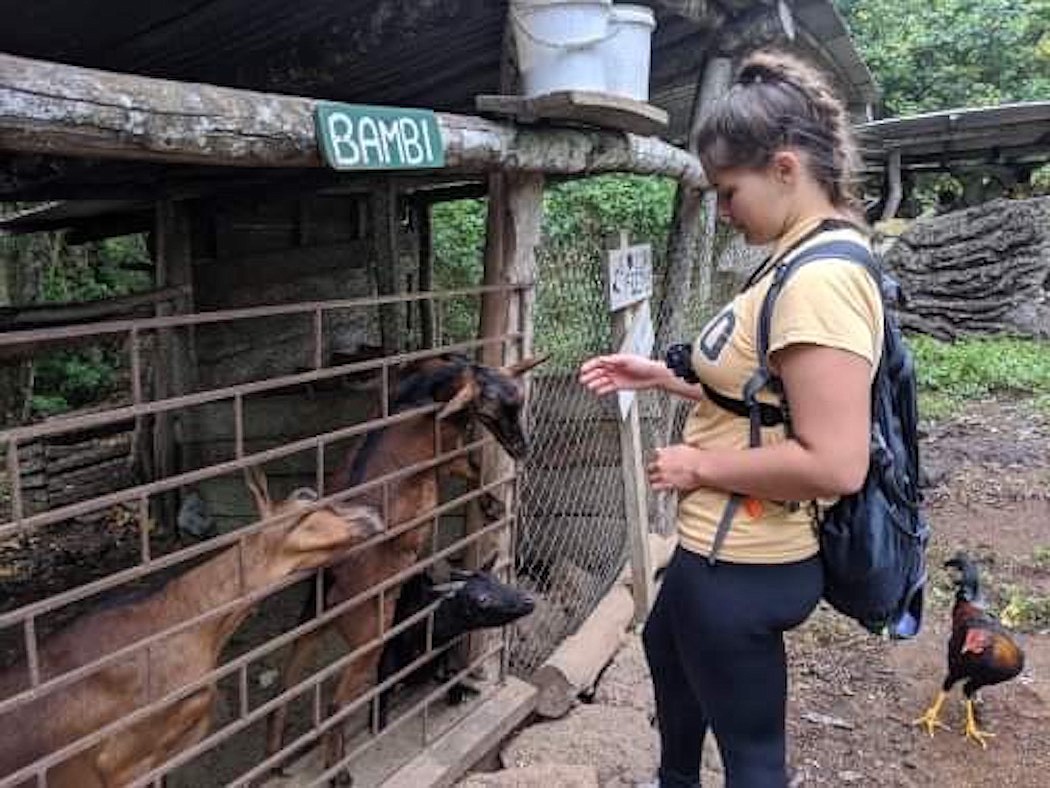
x,y
257,484
523,366
463,398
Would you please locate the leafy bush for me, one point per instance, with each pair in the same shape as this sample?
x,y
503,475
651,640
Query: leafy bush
x,y
107,269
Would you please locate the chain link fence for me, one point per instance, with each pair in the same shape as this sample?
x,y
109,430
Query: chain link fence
x,y
572,540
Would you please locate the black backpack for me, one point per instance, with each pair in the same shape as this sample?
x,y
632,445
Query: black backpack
x,y
872,543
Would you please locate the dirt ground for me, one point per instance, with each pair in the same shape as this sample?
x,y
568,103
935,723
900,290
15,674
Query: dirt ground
x,y
853,696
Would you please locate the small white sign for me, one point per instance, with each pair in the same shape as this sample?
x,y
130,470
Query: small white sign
x,y
630,275
639,341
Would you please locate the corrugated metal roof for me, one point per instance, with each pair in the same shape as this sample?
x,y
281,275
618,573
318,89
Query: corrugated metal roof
x,y
1008,132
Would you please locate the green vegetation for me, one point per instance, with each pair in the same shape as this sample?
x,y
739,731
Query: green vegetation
x,y
1025,612
581,219
951,373
58,273
938,54
1042,556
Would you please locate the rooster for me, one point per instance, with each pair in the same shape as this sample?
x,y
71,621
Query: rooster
x,y
980,650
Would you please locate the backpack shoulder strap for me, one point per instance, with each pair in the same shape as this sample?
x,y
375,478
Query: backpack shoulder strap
x,y
845,250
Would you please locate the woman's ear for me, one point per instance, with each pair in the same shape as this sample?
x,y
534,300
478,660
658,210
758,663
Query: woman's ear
x,y
785,166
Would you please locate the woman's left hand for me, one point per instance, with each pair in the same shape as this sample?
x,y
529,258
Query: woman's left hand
x,y
676,468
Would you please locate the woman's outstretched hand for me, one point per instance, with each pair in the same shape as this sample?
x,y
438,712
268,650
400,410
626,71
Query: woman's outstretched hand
x,y
622,372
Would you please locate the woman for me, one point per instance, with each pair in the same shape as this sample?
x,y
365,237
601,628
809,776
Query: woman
x,y
778,150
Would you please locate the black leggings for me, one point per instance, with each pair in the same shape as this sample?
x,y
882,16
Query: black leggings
x,y
715,646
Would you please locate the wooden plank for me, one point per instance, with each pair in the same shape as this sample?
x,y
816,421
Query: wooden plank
x,y
451,755
15,318
61,110
604,110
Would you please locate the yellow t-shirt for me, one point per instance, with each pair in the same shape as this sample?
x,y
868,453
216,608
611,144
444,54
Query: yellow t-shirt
x,y
833,303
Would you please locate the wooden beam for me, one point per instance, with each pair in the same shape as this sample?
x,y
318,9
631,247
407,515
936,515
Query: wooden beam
x,y
20,318
61,110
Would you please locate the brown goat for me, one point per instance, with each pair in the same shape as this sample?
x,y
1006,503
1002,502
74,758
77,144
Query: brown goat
x,y
470,392
298,542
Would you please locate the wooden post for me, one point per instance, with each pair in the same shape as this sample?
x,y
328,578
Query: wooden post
x,y
173,363
512,234
428,333
632,326
895,189
385,261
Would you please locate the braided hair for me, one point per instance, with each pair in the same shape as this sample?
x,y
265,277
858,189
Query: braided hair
x,y
779,101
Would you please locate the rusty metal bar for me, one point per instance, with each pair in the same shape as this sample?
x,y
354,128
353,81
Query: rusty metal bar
x,y
318,716
323,778
143,522
318,338
210,472
228,668
238,426
14,475
32,652
227,540
319,468
242,686
136,365
57,683
313,681
385,377
127,413
106,328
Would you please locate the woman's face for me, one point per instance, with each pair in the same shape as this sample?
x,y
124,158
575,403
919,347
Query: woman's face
x,y
753,202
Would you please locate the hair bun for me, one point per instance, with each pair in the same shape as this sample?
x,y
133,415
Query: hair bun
x,y
755,71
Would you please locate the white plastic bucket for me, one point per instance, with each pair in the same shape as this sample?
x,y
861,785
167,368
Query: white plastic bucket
x,y
627,51
557,44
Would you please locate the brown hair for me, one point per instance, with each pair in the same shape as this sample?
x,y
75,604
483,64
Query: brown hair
x,y
779,101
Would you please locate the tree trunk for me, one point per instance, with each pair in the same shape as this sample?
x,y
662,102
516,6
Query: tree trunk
x,y
982,270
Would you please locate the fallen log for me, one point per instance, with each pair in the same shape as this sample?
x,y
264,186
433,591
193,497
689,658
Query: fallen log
x,y
576,664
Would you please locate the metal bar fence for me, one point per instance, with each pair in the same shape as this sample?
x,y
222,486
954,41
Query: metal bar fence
x,y
19,524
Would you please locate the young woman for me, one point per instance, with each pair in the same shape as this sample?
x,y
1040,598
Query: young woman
x,y
778,150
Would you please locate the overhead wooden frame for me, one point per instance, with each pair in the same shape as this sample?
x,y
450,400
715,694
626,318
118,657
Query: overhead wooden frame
x,y
49,108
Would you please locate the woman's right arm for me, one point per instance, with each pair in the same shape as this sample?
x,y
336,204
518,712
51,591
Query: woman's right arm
x,y
626,372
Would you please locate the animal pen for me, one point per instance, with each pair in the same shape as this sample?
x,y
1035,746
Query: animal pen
x,y
291,303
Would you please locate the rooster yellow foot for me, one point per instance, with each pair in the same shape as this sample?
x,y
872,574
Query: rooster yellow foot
x,y
931,718
972,732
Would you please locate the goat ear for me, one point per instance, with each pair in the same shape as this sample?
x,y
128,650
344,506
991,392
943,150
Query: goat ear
x,y
521,367
260,490
463,398
318,536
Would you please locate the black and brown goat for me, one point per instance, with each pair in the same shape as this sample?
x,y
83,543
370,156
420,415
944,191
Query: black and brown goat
x,y
470,393
469,601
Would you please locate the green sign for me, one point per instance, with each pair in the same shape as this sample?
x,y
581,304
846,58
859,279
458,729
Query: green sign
x,y
359,137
